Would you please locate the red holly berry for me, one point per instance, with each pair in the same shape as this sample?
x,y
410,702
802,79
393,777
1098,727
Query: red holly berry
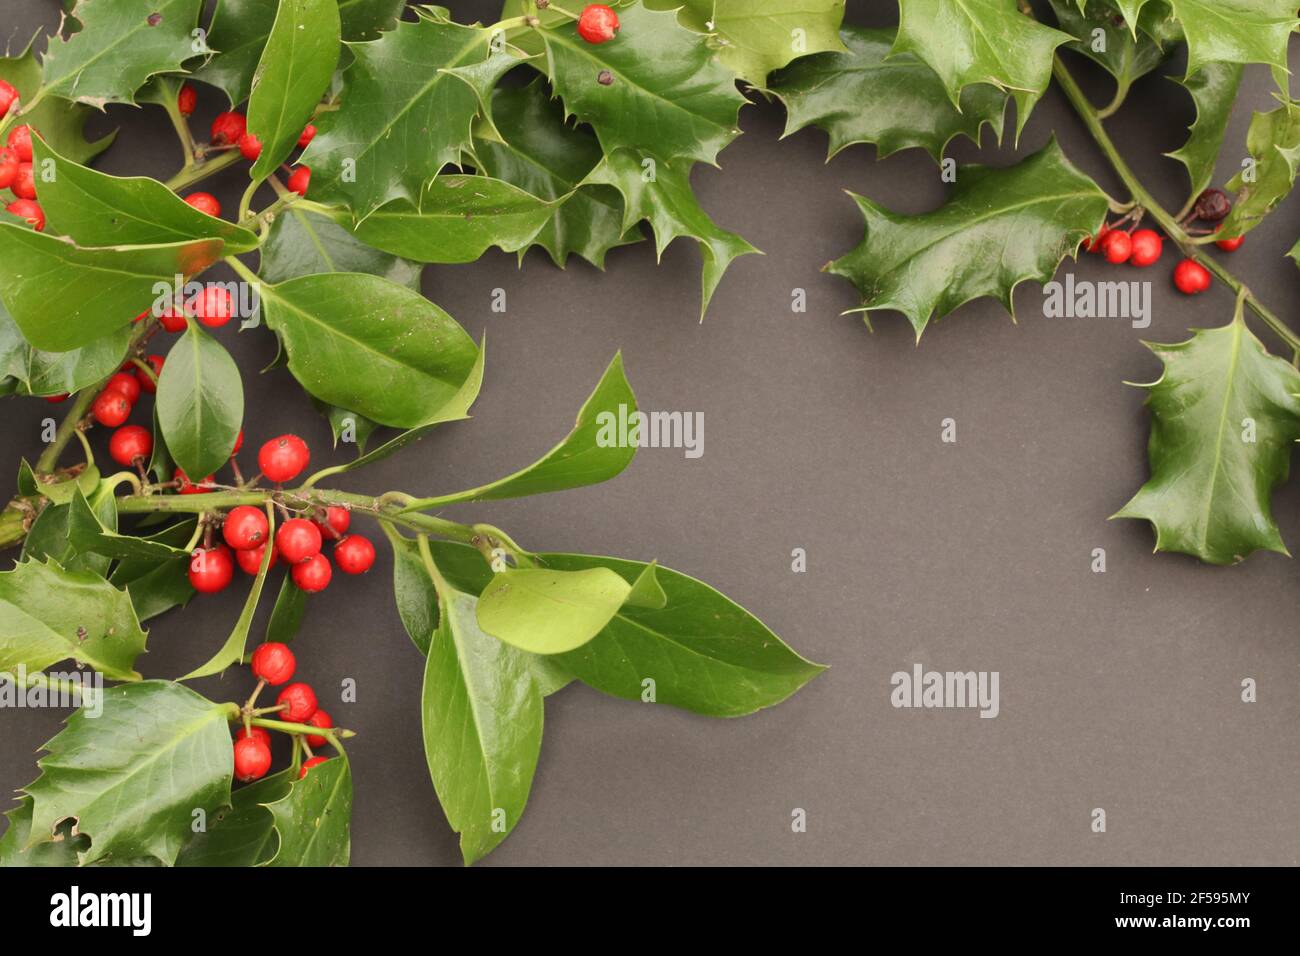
x,y
55,399
186,100
308,764
336,522
252,758
322,720
110,408
598,23
148,384
129,444
213,306
1230,245
259,733
1147,247
188,487
250,147
308,133
228,127
299,180
9,162
20,141
125,383
172,321
298,701
250,561
1117,246
274,663
8,97
245,527
283,459
204,202
24,184
211,569
1190,277
28,210
297,540
354,554
313,574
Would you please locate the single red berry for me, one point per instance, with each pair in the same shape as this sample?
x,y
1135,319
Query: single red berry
x,y
55,399
110,408
1230,245
313,574
130,444
354,554
213,306
308,134
1095,244
299,179
20,141
239,443
1191,278
188,487
148,384
204,202
298,701
259,733
125,383
8,97
598,23
172,320
322,720
228,127
9,163
30,211
186,100
283,459
250,561
297,540
274,663
1117,246
250,147
211,569
252,758
337,521
308,764
1147,247
24,184
245,527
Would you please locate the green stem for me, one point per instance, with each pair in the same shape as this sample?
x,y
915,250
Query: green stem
x,y
196,172
67,428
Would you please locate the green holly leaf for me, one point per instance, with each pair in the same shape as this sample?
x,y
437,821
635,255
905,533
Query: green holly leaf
x,y
458,218
57,373
302,243
157,748
98,292
597,449
661,194
63,850
667,95
48,539
88,531
1214,90
413,590
1234,31
404,113
1125,54
545,611
998,228
361,342
1273,141
357,429
200,402
753,43
50,614
868,96
482,718
545,156
1224,417
62,124
242,834
313,820
286,615
120,45
292,75
158,586
981,41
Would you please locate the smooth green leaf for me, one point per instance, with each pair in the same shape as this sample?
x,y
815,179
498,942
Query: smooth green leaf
x,y
1224,417
49,614
1273,141
1213,89
998,228
347,426
367,344
133,777
242,834
646,589
57,373
417,598
895,102
292,75
302,243
313,820
545,611
200,402
286,615
97,291
61,123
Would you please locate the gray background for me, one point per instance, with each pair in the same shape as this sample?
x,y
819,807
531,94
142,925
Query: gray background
x,y
1119,690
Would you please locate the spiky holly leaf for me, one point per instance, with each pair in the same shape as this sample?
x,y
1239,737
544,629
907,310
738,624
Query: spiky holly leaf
x,y
755,39
313,820
242,834
1273,141
894,102
120,45
661,194
158,749
1124,54
998,228
1214,89
404,113
981,41
1228,31
664,93
1224,418
62,124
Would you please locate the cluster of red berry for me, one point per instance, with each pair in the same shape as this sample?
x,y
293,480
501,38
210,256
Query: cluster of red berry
x,y
274,664
1143,247
130,445
16,173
